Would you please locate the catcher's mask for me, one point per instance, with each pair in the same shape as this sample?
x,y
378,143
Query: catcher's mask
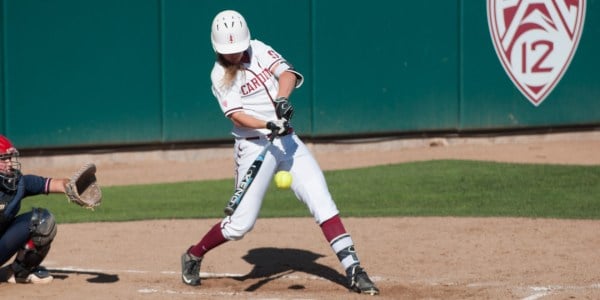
x,y
10,168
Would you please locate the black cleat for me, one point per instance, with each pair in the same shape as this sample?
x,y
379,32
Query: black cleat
x,y
190,269
359,281
39,275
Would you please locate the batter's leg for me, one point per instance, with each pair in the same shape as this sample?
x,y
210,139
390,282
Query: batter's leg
x,y
343,246
232,227
310,187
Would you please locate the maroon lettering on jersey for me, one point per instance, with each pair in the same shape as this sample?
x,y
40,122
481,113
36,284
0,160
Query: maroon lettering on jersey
x,y
256,82
535,41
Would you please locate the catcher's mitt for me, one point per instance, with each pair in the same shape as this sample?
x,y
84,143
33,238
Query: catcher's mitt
x,y
83,188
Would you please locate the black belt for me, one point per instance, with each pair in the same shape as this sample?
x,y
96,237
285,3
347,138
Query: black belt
x,y
287,132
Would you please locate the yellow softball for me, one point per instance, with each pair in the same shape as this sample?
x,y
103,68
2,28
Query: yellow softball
x,y
283,179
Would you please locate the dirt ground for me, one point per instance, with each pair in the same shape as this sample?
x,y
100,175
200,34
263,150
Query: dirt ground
x,y
408,258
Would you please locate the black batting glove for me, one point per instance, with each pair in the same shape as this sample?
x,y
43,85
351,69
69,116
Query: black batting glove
x,y
283,108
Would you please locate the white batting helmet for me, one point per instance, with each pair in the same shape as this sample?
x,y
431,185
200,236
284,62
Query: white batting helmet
x,y
230,33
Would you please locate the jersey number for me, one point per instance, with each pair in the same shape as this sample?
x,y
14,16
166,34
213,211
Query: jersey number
x,y
273,54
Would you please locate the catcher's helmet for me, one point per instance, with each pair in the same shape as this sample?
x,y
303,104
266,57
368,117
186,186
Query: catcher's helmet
x,y
10,168
230,33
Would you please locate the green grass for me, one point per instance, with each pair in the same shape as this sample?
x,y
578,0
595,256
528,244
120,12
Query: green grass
x,y
431,188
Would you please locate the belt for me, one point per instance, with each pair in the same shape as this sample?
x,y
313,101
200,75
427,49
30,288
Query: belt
x,y
287,132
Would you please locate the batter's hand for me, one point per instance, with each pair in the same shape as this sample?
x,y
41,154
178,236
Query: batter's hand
x,y
283,108
278,127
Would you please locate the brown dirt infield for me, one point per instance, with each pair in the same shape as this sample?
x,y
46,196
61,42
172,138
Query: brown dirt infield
x,y
409,258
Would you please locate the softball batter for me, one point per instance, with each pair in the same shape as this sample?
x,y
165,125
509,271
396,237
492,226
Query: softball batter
x,y
252,83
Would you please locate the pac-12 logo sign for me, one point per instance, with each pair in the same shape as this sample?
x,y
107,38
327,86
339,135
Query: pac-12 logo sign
x,y
535,41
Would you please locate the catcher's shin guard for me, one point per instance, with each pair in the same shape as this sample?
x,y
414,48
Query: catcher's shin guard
x,y
190,269
26,267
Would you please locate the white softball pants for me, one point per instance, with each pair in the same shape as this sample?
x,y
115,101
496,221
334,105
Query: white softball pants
x,y
287,153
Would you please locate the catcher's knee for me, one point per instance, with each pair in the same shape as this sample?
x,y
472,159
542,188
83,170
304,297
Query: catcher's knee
x,y
42,227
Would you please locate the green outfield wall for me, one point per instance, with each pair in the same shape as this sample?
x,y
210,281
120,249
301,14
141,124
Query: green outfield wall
x,y
132,72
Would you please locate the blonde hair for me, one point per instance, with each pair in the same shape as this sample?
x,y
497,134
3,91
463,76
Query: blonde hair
x,y
230,71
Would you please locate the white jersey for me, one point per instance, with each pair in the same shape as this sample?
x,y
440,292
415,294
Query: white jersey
x,y
254,88
258,156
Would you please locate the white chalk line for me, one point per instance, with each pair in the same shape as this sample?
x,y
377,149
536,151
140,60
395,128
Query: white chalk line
x,y
82,270
543,291
538,292
202,274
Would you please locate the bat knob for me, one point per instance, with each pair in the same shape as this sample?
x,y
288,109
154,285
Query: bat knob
x,y
228,210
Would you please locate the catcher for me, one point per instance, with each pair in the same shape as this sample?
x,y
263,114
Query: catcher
x,y
30,234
